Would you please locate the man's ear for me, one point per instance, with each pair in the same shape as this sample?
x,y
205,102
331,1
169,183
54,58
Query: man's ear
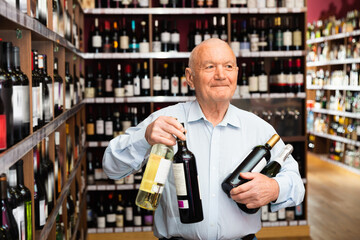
x,y
189,77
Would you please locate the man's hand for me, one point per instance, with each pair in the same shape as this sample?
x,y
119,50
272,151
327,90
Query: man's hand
x,y
163,130
259,191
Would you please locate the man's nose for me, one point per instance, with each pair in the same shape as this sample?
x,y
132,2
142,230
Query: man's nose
x,y
220,72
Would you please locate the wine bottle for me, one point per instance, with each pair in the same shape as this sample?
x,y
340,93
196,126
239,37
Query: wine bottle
x,y
45,80
144,46
165,37
155,175
69,151
255,161
109,92
90,126
109,125
124,38
100,128
299,77
137,216
253,79
129,85
117,124
175,39
186,183
278,34
58,90
134,43
137,81
107,39
119,90
157,81
58,171
69,87
120,212
244,38
99,82
111,212
184,88
96,38
156,44
244,83
235,43
174,89
263,78
215,33
287,36
3,144
145,81
165,82
39,192
223,30
70,207
297,36
8,222
26,195
48,169
115,37
101,217
129,213
24,108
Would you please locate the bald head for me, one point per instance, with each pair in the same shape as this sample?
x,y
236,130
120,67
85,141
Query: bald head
x,y
203,46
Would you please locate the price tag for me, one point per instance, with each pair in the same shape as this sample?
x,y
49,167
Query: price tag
x,y
119,100
104,143
275,224
290,95
91,187
265,95
109,100
271,10
296,10
302,222
301,95
90,100
255,54
92,144
147,229
119,230
283,223
255,95
109,230
110,187
283,10
129,229
100,100
266,224
125,187
101,230
101,187
137,229
253,10
91,230
293,223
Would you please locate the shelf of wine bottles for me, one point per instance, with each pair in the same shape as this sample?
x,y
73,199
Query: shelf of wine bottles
x,y
334,87
332,62
333,37
335,138
337,113
351,168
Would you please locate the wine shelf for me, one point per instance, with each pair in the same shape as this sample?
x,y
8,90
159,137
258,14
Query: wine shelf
x,y
13,154
331,87
180,55
171,11
324,157
119,230
21,20
64,192
163,99
334,37
81,209
333,62
337,113
285,223
335,138
112,187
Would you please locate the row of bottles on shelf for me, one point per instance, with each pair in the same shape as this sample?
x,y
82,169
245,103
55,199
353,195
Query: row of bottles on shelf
x,y
200,3
332,26
101,127
350,77
130,82
335,51
256,34
348,102
116,210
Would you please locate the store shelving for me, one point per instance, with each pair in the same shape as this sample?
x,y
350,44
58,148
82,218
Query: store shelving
x,y
325,157
335,138
333,37
333,62
337,113
334,87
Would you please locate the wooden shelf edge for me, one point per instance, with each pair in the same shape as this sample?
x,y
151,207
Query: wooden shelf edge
x,y
284,232
64,192
82,204
116,236
13,154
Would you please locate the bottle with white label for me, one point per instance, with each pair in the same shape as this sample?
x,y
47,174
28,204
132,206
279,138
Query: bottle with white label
x,y
157,81
155,176
156,43
263,79
174,89
255,161
187,185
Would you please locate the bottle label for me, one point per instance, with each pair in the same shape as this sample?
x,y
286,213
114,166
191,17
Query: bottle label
x,y
134,46
42,210
261,3
198,39
124,42
299,78
259,166
175,38
156,46
129,179
299,3
98,172
281,79
109,128
282,214
148,220
298,210
89,92
129,90
265,213
137,220
184,86
108,85
90,129
251,3
254,42
89,215
100,222
99,127
287,38
253,84
290,79
119,92
119,220
3,132
111,218
96,41
144,47
17,102
270,3
207,36
263,83
145,83
244,46
129,214
25,108
179,176
165,37
165,84
278,39
183,204
244,90
235,46
290,3
174,85
297,38
272,216
143,3
137,86
157,83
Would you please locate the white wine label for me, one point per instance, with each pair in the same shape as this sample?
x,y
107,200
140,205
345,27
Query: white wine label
x,y
207,36
235,46
108,85
98,173
297,38
25,108
272,216
244,90
124,42
96,41
287,38
290,3
101,222
179,176
281,79
299,3
184,85
253,84
119,92
265,213
111,218
165,37
137,220
270,3
42,212
143,3
145,83
109,128
251,3
263,83
157,83
129,214
129,179
260,166
261,3
282,214
17,102
99,127
136,86
129,90
183,204
144,47
163,171
89,92
174,85
175,38
165,84
120,221
156,46
125,125
198,39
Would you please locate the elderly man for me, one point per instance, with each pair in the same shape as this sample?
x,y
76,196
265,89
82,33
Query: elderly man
x,y
220,136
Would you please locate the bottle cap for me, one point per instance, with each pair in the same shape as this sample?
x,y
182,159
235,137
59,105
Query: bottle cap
x,y
273,140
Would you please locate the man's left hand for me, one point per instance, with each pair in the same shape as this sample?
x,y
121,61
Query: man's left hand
x,y
259,191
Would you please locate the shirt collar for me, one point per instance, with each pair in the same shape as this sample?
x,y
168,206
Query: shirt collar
x,y
230,118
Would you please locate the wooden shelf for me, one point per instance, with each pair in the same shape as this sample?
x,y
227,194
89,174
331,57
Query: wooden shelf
x,y
333,37
188,11
337,113
13,154
284,232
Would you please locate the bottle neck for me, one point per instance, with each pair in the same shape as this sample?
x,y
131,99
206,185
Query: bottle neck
x,y
268,146
3,186
20,174
181,144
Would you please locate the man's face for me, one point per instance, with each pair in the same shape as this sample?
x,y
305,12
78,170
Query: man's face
x,y
216,73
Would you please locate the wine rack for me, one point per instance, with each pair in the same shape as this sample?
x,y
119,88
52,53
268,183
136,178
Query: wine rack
x,y
328,87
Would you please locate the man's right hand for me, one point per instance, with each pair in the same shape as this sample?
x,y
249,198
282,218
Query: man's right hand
x,y
163,130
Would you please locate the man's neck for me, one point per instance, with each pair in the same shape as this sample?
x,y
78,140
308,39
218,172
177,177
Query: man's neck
x,y
214,112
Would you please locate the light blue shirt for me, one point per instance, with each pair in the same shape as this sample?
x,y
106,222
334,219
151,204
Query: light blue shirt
x,y
218,151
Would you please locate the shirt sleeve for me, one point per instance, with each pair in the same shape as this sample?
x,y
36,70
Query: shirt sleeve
x,y
125,153
291,186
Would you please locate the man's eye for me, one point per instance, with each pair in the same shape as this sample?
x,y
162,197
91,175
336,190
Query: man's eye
x,y
229,67
209,67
